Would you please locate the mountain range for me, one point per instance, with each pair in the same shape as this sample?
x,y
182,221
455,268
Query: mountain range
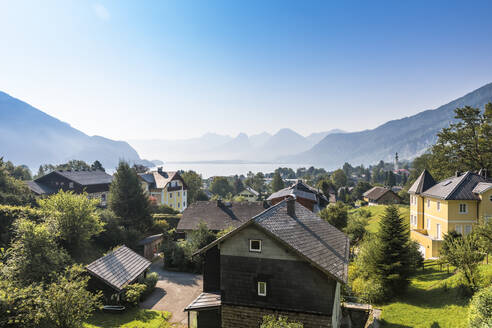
x,y
215,147
31,137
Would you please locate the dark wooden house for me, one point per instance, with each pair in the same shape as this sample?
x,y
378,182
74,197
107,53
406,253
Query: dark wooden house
x,y
309,197
381,196
285,261
218,215
94,182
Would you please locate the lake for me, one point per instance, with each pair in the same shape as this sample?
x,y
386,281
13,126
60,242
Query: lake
x,y
208,170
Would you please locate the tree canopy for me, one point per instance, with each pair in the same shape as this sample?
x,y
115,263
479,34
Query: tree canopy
x,y
193,181
277,182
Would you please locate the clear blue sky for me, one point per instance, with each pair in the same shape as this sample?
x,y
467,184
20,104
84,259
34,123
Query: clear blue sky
x,y
178,69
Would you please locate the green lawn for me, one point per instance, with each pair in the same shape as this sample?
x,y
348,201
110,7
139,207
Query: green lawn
x,y
433,300
133,318
378,210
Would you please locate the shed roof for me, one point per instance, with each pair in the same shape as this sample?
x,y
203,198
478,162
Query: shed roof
x,y
205,301
218,215
119,268
312,238
40,188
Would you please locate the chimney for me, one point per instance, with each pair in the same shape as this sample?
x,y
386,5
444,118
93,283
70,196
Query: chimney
x,y
219,203
483,173
159,169
291,205
458,173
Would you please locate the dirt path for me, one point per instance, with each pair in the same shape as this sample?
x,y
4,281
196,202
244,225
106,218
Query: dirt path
x,y
174,291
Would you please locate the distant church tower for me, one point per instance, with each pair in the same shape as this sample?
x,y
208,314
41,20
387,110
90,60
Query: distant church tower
x,y
396,161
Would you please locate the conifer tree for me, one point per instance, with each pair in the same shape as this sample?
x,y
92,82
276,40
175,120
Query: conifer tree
x,y
394,247
128,200
277,182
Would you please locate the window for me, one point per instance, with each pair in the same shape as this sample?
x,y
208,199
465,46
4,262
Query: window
x,y
184,193
178,193
428,224
255,245
438,206
70,185
490,198
179,205
184,204
428,203
438,231
103,197
170,195
262,288
468,229
463,208
458,228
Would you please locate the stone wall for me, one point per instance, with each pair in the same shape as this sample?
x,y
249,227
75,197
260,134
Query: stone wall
x,y
246,317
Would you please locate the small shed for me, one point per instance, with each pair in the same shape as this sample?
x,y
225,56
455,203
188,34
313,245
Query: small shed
x,y
118,269
151,245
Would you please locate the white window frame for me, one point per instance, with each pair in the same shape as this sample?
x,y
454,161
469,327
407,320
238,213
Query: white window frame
x,y
262,288
465,207
438,231
465,228
428,225
438,206
170,195
459,229
256,250
428,203
70,185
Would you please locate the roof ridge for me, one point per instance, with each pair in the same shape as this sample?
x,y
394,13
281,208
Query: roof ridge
x,y
463,178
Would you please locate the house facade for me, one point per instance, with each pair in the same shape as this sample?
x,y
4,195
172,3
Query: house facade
x,y
285,261
454,204
166,188
94,182
249,194
381,196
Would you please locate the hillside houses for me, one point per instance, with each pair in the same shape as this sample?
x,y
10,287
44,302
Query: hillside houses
x,y
166,188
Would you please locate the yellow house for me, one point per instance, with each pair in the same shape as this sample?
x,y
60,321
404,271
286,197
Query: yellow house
x,y
456,203
166,188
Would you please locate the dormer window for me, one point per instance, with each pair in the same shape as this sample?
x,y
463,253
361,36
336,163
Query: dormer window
x,y
255,245
262,288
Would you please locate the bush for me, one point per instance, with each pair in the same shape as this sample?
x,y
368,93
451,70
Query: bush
x,y
133,294
162,209
150,281
480,311
9,214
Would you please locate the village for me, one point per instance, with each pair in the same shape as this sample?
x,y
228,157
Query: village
x,y
153,246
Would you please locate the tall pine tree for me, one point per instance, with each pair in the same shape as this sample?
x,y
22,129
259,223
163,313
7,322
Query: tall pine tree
x,y
394,262
128,200
277,182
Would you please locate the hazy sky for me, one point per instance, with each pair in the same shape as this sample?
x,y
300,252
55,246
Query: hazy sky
x,y
178,69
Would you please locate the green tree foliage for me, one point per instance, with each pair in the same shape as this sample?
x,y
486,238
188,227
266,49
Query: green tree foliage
x,y
193,181
128,200
484,232
394,244
237,185
326,186
133,294
20,172
360,188
336,215
221,186
34,254
480,310
270,321
68,302
277,182
384,261
465,253
9,214
390,180
97,166
357,229
256,181
12,190
139,168
76,218
21,306
339,178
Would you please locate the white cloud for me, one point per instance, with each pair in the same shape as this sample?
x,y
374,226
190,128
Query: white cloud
x,y
101,11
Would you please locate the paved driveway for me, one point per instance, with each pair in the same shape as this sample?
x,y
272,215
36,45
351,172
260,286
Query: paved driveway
x,y
174,291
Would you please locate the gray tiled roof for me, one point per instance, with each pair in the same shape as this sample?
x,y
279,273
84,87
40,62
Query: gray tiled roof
x,y
293,191
86,178
423,182
40,188
376,192
456,188
149,239
218,215
119,268
482,187
204,301
317,240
